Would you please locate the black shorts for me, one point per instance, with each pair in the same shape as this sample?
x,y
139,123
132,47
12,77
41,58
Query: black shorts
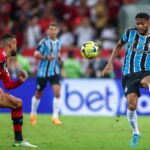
x,y
41,82
131,82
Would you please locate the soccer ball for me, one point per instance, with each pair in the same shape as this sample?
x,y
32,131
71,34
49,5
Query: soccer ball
x,y
89,50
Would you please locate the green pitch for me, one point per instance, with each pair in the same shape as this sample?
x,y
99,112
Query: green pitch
x,y
76,133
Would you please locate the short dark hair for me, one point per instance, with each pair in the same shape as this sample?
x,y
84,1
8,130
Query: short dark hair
x,y
6,37
54,24
142,15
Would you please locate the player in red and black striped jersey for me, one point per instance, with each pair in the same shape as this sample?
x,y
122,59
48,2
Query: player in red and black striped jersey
x,y
8,48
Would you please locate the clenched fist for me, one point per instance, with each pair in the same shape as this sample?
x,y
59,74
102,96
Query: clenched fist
x,y
22,76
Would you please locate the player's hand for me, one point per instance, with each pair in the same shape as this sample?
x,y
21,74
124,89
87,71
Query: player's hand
x,y
108,68
22,76
50,57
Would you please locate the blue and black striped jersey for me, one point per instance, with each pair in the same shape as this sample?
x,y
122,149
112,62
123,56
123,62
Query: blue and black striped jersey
x,y
137,56
47,47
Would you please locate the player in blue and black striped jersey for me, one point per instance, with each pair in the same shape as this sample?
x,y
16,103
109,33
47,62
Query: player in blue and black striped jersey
x,y
48,52
136,67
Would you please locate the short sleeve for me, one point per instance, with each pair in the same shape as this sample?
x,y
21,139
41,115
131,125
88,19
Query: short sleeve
x,y
3,56
59,44
125,36
41,47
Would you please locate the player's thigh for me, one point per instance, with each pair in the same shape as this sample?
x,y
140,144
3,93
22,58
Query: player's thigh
x,y
145,82
56,88
9,101
132,99
38,94
130,85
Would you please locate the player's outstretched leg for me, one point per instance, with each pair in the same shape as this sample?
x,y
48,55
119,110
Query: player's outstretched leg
x,y
132,118
15,104
135,140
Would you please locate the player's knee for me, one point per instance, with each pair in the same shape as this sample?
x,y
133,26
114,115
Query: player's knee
x,y
132,106
19,103
38,94
57,94
145,82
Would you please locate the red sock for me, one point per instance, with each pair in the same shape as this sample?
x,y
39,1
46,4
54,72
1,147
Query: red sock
x,y
17,117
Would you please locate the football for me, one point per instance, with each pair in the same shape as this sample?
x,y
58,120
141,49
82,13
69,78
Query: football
x,y
89,50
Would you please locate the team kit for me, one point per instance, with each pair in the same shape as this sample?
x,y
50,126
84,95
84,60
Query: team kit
x,y
135,74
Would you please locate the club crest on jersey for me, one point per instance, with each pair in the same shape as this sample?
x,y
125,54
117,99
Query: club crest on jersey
x,y
38,87
126,89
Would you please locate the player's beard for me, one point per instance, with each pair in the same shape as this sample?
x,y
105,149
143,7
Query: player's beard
x,y
13,53
144,32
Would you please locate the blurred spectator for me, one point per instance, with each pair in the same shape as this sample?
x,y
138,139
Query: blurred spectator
x,y
72,2
84,32
101,15
65,12
13,67
108,36
66,37
4,28
72,67
113,10
90,71
45,20
83,9
23,63
126,2
90,3
82,20
96,66
33,33
117,68
18,29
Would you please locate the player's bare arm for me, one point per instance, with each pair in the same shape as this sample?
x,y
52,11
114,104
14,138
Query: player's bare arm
x,y
60,61
109,67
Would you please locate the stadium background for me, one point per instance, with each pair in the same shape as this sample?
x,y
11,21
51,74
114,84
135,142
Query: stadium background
x,y
84,91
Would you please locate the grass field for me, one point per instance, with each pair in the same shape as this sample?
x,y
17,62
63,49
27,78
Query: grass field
x,y
76,133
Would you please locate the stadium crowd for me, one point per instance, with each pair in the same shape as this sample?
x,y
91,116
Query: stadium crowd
x,y
80,21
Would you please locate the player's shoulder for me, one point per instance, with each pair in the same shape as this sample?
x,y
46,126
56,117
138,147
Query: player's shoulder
x,y
3,54
59,41
131,29
1,50
43,40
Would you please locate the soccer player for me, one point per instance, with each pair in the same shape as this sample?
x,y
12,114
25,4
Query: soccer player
x,y
48,52
136,67
8,48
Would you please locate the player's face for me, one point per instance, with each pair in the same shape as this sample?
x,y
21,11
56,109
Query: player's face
x,y
13,47
53,31
142,25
